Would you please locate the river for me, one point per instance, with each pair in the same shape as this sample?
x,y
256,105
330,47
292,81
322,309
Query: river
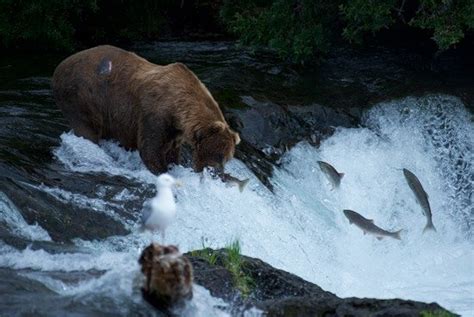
x,y
69,209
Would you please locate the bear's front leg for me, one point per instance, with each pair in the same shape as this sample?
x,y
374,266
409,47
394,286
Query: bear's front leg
x,y
173,154
153,159
152,152
158,143
84,130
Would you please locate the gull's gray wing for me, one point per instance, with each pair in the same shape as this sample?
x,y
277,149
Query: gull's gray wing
x,y
146,212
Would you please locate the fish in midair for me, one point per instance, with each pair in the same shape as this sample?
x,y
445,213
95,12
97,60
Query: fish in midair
x,y
368,226
421,197
331,173
162,208
229,179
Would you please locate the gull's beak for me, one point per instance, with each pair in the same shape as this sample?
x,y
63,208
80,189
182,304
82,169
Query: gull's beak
x,y
178,183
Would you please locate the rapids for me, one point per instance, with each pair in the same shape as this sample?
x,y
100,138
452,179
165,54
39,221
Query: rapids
x,y
80,255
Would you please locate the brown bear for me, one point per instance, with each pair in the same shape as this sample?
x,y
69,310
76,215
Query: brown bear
x,y
109,93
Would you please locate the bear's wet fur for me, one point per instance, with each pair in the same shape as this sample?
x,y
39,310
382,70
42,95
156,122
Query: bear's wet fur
x,y
144,106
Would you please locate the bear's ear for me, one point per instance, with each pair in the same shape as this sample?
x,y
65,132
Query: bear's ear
x,y
217,126
237,138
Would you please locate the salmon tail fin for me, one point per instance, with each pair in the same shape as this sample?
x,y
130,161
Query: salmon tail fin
x,y
341,175
396,234
429,226
243,183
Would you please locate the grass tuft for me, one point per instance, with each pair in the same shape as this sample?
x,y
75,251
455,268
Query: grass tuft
x,y
436,313
233,263
208,254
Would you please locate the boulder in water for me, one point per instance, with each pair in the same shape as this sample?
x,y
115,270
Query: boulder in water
x,y
168,276
278,293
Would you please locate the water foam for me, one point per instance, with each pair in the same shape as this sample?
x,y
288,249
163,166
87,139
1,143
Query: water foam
x,y
119,283
11,216
95,204
81,155
64,262
400,134
301,228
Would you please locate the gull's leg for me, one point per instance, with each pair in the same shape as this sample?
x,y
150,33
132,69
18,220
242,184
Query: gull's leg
x,y
163,236
150,236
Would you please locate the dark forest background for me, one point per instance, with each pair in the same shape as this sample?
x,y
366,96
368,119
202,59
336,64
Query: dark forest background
x,y
299,31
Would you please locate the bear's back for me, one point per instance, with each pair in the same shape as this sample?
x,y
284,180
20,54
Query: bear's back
x,y
182,88
102,102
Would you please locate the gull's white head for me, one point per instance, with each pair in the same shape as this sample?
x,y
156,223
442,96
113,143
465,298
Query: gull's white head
x,y
165,180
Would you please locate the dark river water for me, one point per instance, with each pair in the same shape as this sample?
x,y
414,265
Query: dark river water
x,y
69,209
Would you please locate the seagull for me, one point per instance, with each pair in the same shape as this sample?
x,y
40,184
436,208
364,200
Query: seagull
x,y
161,210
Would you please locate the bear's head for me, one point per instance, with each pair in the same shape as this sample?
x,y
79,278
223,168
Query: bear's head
x,y
214,146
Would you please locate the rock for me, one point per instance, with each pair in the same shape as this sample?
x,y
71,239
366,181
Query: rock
x,y
265,123
59,215
357,307
268,129
168,276
279,293
274,105
216,278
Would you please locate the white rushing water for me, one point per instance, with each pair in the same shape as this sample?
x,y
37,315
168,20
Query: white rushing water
x,y
11,216
300,228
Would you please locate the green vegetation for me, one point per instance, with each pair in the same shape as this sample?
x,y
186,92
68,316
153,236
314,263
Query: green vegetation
x,y
448,20
47,23
66,25
298,30
234,264
232,261
206,253
366,16
436,313
302,30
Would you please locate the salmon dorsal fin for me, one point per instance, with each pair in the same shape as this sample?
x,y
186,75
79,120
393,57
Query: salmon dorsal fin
x,y
341,175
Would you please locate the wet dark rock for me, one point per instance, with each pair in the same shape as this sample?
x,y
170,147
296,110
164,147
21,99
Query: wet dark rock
x,y
216,278
279,293
265,124
357,307
268,129
257,161
289,104
63,221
